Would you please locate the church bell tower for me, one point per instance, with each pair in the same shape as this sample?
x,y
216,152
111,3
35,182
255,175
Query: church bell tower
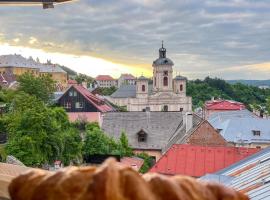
x,y
162,72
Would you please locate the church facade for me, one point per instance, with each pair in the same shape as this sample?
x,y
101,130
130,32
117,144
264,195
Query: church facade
x,y
165,94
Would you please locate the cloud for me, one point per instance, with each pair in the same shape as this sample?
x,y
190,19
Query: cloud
x,y
201,36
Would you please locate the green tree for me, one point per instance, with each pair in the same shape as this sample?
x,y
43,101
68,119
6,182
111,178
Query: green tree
x,y
125,149
147,164
41,87
39,134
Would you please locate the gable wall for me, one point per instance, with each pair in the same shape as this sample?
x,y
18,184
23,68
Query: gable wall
x,y
205,134
88,107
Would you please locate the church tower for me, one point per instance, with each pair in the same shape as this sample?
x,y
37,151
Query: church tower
x,y
142,87
162,72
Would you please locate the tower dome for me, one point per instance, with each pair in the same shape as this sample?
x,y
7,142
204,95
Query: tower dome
x,y
162,60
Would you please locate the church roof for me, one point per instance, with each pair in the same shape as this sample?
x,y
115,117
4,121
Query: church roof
x,y
180,78
142,78
128,91
163,61
159,127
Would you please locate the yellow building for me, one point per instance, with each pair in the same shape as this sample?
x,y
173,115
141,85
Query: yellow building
x,y
19,65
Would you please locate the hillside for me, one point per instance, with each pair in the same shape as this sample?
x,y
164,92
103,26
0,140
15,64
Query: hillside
x,y
250,82
202,90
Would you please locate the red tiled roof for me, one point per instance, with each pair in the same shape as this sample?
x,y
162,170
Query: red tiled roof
x,y
197,161
88,116
224,105
98,103
128,76
70,81
104,78
135,163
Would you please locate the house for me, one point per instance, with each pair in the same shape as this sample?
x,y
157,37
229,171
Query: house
x,y
18,65
8,80
81,104
126,79
250,175
196,160
242,128
220,105
148,132
105,81
165,94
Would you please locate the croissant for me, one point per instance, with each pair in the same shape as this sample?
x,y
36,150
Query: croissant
x,y
112,181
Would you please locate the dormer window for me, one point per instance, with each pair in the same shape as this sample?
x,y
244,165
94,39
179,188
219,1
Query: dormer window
x,y
256,133
142,136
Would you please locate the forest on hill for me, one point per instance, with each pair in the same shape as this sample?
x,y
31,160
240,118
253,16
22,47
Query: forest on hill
x,y
203,90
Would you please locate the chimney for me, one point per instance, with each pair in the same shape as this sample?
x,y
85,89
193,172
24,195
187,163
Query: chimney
x,y
188,121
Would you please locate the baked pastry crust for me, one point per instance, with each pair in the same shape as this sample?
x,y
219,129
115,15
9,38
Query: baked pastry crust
x,y
112,181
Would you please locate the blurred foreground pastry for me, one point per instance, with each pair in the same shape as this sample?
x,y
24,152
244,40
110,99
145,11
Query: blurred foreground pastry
x,y
111,181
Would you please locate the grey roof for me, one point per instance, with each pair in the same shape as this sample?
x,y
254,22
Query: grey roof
x,y
163,61
125,91
19,61
128,91
51,68
180,78
159,126
251,175
239,127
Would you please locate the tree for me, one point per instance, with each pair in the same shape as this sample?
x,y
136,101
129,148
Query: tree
x,y
41,87
38,134
147,164
125,149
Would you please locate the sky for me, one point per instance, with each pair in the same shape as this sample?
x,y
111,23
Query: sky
x,y
229,39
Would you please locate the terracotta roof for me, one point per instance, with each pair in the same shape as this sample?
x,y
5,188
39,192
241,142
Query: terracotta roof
x,y
193,160
128,76
104,78
97,102
133,162
70,81
224,105
88,116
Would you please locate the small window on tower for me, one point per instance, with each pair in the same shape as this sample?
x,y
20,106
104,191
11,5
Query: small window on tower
x,y
143,88
165,73
181,87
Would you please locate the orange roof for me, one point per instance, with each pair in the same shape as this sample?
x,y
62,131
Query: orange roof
x,y
88,116
104,78
133,162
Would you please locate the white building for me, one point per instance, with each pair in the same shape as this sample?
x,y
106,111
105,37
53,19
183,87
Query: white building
x,y
166,93
126,79
106,81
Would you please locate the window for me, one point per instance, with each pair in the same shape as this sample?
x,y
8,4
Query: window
x,y
155,81
165,73
142,136
143,88
165,108
165,81
79,105
74,93
67,105
256,133
181,87
181,109
70,93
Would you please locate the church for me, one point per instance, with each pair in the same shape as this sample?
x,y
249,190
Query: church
x,y
165,94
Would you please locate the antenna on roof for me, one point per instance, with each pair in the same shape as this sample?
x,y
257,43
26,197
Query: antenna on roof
x,y
162,44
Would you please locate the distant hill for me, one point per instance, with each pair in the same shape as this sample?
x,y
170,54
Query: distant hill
x,y
69,71
250,82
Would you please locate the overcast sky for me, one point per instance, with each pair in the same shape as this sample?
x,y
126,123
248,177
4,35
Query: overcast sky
x,y
224,38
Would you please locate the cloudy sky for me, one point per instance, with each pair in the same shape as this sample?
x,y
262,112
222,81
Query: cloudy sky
x,y
224,38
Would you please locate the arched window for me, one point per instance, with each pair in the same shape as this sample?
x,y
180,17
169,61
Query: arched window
x,y
165,108
143,88
165,81
181,87
155,81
